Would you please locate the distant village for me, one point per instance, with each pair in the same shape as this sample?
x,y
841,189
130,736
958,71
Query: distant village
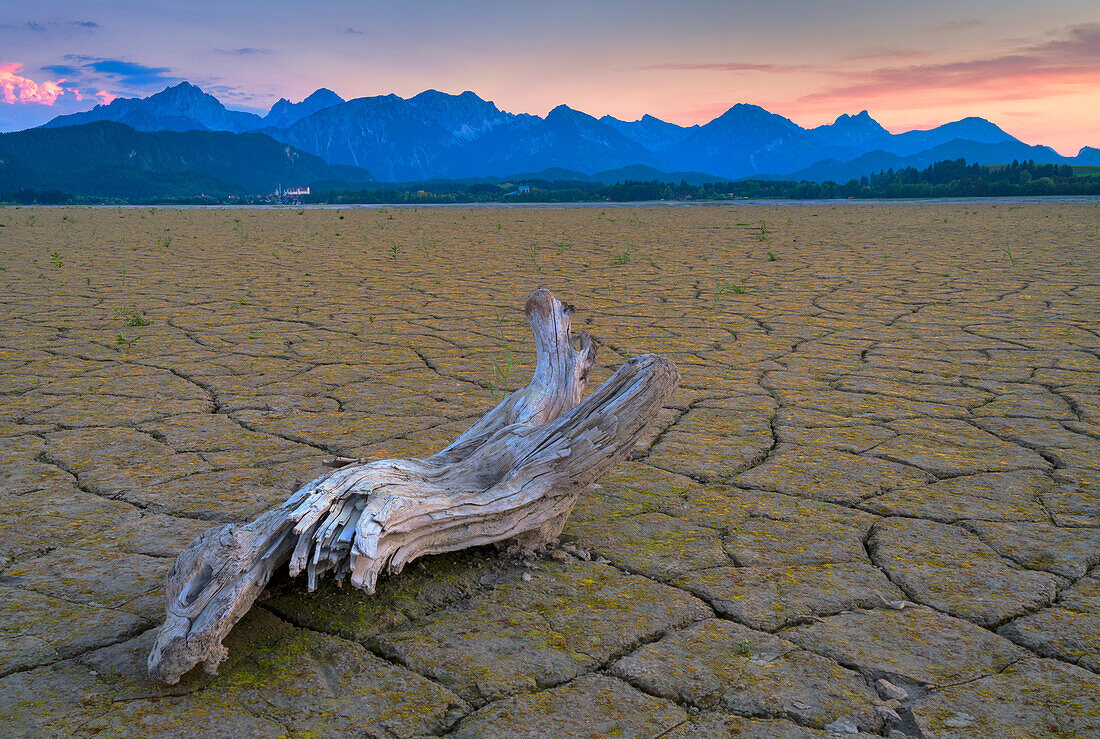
x,y
289,196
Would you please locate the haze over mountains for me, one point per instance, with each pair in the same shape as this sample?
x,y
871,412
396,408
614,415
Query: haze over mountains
x,y
435,135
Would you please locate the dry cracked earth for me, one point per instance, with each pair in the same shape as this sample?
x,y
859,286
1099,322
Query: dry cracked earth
x,y
873,506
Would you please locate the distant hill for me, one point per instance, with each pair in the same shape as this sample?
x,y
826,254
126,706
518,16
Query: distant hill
x,y
562,176
436,135
976,130
106,159
1088,156
879,161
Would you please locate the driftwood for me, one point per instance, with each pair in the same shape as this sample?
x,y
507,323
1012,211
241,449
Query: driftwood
x,y
512,476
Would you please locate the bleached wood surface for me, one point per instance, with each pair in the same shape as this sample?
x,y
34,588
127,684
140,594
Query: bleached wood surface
x,y
513,475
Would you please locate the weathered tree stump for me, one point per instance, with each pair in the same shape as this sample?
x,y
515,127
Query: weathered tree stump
x,y
513,475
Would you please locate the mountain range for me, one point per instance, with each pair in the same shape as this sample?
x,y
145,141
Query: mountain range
x,y
434,135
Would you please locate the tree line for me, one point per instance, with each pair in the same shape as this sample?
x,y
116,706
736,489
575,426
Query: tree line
x,y
946,179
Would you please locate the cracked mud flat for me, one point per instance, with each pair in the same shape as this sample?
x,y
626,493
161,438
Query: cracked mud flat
x,y
901,407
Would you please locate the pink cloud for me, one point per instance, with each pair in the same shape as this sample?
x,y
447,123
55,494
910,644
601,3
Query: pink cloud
x,y
1068,61
18,89
104,97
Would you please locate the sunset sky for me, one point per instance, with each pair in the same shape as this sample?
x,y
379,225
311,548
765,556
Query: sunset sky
x,y
1031,67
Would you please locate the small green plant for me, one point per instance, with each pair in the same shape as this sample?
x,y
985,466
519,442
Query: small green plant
x,y
743,648
165,242
55,259
763,234
127,341
1011,259
253,334
771,257
502,375
724,287
132,317
502,371
394,251
620,257
559,247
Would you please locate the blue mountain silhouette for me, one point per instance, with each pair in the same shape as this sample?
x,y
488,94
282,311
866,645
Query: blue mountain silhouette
x,y
438,135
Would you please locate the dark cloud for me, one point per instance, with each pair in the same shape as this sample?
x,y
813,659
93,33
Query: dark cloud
x,y
51,26
61,70
354,31
246,51
121,73
130,72
218,90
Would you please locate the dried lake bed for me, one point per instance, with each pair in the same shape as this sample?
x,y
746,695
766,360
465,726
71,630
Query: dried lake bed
x,y
883,463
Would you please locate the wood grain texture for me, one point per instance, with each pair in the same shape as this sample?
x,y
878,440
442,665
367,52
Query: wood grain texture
x,y
512,476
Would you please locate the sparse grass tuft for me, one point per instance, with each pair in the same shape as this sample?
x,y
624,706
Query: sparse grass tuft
x,y
502,371
724,287
133,317
127,341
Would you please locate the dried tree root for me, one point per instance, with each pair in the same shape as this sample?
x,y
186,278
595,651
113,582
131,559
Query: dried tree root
x,y
513,475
